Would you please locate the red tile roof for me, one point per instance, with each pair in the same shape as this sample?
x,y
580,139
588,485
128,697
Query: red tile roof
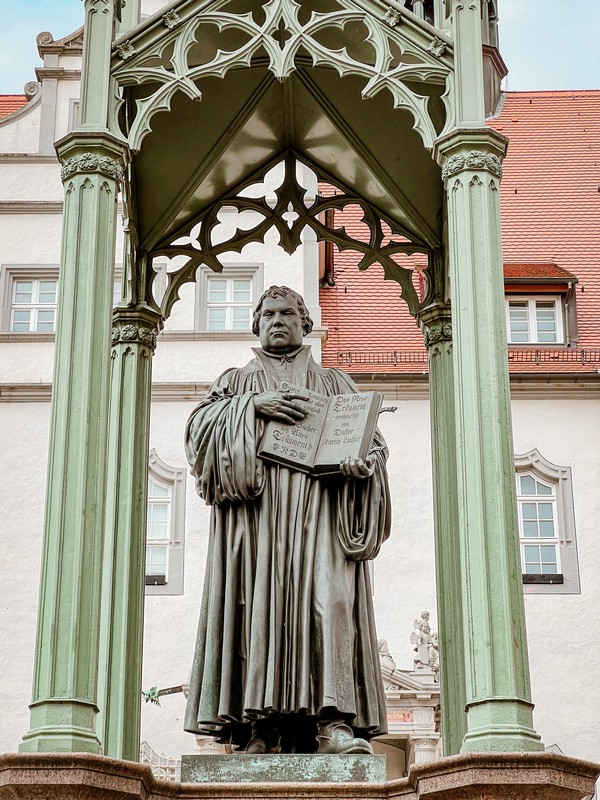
x,y
550,209
9,103
537,271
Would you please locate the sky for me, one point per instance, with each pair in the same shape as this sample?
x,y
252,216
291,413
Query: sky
x,y
546,44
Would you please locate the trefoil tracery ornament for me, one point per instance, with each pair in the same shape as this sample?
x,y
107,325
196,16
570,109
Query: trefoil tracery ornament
x,y
288,215
389,60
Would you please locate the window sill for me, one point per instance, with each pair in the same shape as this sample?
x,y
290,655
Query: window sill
x,y
543,578
33,336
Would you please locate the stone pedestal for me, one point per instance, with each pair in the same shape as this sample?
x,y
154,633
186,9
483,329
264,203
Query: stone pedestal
x,y
472,776
282,768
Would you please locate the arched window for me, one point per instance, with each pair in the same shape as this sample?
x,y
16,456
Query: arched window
x,y
165,527
546,525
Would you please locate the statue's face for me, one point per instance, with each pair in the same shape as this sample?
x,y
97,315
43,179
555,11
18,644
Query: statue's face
x,y
280,325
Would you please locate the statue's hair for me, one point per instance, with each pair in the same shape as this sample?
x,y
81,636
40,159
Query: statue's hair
x,y
285,292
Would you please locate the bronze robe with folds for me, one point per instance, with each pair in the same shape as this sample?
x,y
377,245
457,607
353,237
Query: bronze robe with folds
x,y
286,623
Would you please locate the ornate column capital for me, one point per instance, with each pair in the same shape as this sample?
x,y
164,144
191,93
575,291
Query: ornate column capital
x,y
436,322
470,150
136,326
82,152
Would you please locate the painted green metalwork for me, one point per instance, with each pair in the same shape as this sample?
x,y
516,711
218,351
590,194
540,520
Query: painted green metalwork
x,y
436,321
123,579
66,667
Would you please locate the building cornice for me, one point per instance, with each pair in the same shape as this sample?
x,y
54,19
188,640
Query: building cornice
x,y
31,207
393,387
28,158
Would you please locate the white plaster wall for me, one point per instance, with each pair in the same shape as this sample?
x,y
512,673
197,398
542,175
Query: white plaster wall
x,y
563,630
20,134
23,458
31,181
66,91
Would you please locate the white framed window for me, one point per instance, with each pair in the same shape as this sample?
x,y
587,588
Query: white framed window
x,y
536,500
546,521
165,527
29,295
33,305
535,320
227,299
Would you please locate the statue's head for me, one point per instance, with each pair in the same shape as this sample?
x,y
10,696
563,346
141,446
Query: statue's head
x,y
281,319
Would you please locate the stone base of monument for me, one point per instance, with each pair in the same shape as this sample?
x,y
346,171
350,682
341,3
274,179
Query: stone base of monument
x,y
473,776
284,768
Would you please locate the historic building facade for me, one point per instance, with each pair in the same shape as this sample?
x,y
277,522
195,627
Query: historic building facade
x,y
550,218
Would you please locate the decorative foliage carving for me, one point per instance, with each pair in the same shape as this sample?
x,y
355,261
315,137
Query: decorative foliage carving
x,y
171,19
90,162
289,214
387,61
437,47
392,17
474,159
438,331
126,50
132,334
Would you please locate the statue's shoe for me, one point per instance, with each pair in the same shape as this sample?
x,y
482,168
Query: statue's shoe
x,y
340,741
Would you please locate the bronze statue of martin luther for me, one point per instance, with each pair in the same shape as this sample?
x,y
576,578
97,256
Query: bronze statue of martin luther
x,y
286,657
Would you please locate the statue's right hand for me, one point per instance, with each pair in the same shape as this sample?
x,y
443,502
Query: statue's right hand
x,y
285,407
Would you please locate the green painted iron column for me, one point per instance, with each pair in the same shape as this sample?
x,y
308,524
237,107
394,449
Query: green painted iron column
x,y
64,707
121,636
436,323
498,701
498,698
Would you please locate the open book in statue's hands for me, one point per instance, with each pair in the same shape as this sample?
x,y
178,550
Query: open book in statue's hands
x,y
334,428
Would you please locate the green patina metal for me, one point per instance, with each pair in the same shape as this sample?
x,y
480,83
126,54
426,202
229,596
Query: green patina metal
x,y
269,768
145,119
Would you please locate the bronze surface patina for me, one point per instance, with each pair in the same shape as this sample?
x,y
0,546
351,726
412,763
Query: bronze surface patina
x,y
286,658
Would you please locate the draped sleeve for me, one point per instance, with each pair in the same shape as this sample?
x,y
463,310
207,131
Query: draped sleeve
x,y
364,505
221,443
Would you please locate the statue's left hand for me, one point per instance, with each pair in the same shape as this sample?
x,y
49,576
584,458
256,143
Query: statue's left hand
x,y
356,467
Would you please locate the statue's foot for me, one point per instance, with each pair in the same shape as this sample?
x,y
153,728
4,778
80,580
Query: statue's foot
x,y
338,738
266,738
262,744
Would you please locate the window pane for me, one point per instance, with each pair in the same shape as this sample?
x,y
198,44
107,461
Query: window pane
x,y
217,291
157,527
545,511
518,322
20,321
530,528
527,485
529,510
47,293
542,489
156,490
546,321
241,291
156,560
548,553
216,319
23,291
45,321
117,291
241,319
547,529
